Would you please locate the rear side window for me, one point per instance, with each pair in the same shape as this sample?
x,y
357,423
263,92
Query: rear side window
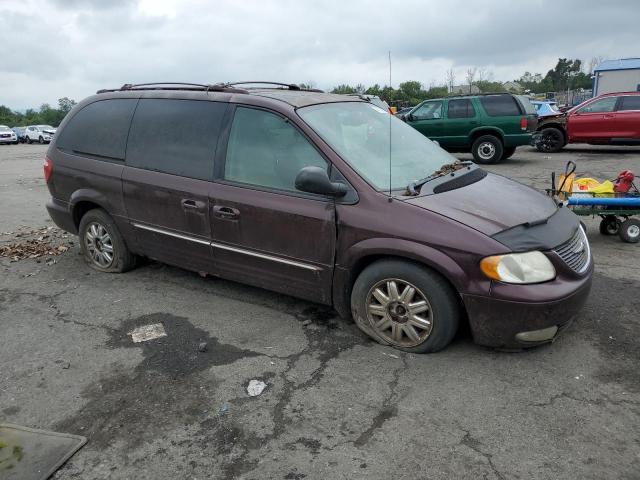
x,y
266,150
630,103
529,108
500,105
99,129
462,108
175,136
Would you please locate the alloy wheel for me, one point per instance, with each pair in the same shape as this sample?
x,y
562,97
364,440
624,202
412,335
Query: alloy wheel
x,y
99,244
399,312
486,150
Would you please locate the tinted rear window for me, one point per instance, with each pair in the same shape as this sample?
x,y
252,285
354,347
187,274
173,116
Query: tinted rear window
x,y
500,105
529,107
99,129
630,103
462,108
175,136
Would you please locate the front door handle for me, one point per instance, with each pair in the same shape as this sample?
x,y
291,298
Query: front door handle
x,y
226,212
189,204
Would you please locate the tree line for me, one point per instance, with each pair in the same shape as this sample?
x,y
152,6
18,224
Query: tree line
x,y
567,74
45,115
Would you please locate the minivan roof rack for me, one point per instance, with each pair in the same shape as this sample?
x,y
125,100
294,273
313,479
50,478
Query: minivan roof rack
x,y
229,87
174,86
289,86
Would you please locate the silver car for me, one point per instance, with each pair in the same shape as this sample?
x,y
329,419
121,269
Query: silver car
x,y
7,135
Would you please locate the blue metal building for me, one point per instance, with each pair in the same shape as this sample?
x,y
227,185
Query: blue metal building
x,y
621,75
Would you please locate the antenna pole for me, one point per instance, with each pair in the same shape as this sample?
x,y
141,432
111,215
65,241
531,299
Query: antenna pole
x,y
390,197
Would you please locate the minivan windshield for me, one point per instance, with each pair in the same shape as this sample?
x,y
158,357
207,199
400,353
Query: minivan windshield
x,y
359,132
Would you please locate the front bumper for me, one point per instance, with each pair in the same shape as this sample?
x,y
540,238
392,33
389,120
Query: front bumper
x,y
498,322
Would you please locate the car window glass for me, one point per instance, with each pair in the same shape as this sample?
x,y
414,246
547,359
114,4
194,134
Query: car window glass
x,y
98,129
175,136
630,103
462,108
264,149
600,106
500,105
428,111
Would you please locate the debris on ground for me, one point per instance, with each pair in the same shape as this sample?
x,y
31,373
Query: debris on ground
x,y
35,243
202,347
148,332
224,410
306,323
256,387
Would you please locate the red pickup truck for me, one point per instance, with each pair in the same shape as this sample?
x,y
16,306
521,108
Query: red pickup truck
x,y
609,119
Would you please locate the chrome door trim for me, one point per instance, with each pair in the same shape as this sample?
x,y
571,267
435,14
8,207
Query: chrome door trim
x,y
171,234
265,256
222,246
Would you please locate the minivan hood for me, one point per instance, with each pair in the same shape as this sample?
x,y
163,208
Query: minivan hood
x,y
490,205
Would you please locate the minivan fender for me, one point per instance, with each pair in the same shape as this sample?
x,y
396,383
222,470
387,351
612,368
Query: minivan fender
x,y
361,254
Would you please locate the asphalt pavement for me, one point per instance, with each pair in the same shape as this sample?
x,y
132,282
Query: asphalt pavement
x,y
336,405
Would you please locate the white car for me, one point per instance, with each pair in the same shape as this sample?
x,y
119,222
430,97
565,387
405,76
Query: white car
x,y
7,135
39,133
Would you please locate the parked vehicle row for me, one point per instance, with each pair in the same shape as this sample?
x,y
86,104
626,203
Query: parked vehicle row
x,y
306,193
29,134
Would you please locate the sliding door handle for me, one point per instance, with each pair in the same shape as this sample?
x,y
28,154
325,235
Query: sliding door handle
x,y
229,213
189,204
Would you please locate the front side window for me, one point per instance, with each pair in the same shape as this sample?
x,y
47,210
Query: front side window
x,y
600,106
462,108
178,137
265,150
428,111
377,145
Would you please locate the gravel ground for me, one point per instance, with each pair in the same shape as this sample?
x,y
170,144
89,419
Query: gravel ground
x,y
335,405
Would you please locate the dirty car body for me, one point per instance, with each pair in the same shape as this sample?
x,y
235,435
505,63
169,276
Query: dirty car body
x,y
288,191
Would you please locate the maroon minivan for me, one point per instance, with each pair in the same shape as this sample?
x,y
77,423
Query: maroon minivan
x,y
324,197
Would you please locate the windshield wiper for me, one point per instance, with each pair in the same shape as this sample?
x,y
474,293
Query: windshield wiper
x,y
413,188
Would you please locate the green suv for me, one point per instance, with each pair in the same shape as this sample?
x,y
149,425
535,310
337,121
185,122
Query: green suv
x,y
490,126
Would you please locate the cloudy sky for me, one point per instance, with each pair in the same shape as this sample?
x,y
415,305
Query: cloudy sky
x,y
56,48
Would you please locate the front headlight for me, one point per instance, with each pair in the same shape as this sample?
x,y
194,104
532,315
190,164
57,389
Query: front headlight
x,y
529,267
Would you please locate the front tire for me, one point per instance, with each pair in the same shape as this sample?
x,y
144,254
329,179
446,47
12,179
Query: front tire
x,y
102,245
487,149
407,306
40,140
551,140
630,230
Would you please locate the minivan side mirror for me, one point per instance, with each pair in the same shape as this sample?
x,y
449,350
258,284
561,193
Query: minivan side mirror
x,y
316,180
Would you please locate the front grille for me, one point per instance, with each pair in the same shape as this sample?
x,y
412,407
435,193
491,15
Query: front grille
x,y
5,135
576,252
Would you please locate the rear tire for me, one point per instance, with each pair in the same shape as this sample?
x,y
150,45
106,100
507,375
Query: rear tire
x,y
102,245
487,149
28,140
630,230
551,140
419,314
508,153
